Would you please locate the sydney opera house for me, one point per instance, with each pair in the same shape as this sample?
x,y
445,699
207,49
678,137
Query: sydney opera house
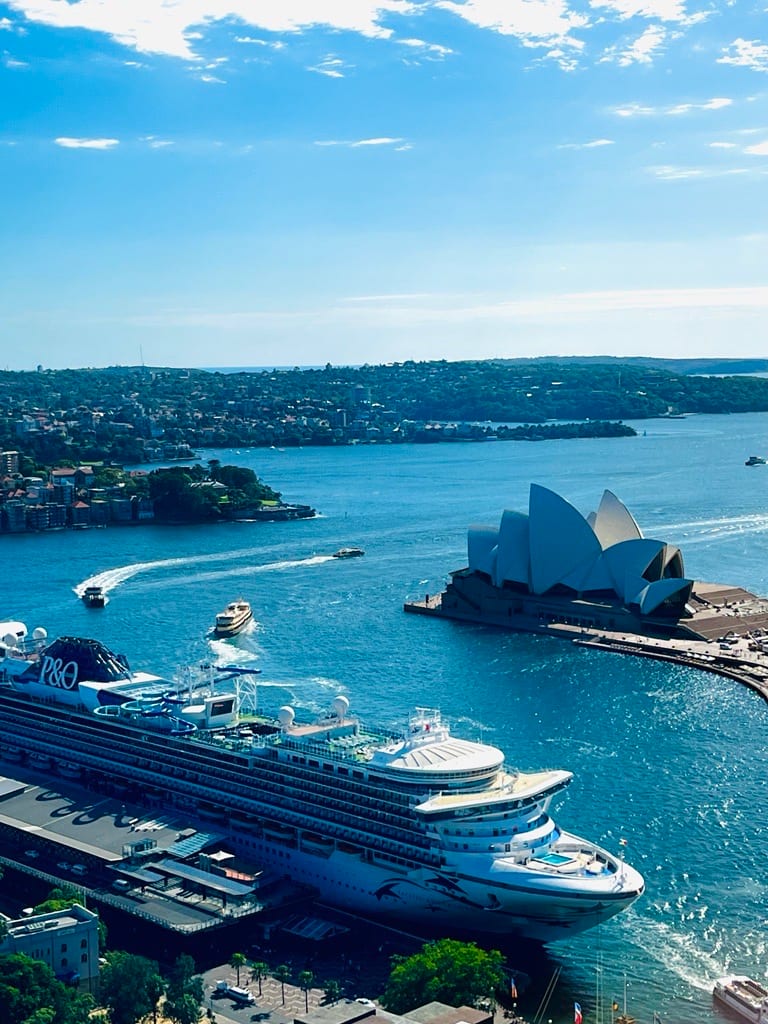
x,y
554,567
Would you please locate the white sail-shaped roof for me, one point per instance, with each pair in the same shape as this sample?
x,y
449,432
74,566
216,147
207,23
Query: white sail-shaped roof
x,y
513,558
560,539
613,522
554,545
481,549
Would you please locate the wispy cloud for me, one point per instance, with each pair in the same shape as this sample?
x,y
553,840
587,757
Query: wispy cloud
x,y
594,144
69,142
358,143
722,145
746,53
678,109
275,44
641,51
669,172
330,66
546,23
155,143
433,50
761,149
659,10
12,63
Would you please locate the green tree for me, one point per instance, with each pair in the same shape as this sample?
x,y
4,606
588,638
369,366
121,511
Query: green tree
x,y
305,979
238,960
259,971
128,986
457,973
29,991
282,973
184,992
332,991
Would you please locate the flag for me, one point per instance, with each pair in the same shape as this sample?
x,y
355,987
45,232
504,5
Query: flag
x,y
512,989
577,1018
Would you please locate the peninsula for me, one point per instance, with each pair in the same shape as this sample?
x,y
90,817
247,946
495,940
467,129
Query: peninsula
x,y
598,581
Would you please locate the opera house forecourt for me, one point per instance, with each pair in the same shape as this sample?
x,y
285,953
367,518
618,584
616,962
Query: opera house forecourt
x,y
557,570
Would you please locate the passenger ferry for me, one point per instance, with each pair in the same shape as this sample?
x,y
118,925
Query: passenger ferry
x,y
233,619
747,998
423,827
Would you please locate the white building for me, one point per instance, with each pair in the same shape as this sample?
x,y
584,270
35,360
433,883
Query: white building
x,y
66,940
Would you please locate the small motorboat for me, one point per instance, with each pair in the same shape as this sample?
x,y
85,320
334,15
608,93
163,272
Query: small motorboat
x,y
348,553
756,460
233,619
94,597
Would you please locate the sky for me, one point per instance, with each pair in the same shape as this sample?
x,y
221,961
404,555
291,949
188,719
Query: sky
x,y
296,182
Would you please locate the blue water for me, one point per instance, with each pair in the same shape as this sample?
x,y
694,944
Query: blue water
x,y
671,759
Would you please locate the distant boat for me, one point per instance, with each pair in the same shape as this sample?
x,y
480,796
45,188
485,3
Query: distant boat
x,y
348,553
233,619
755,460
94,597
747,998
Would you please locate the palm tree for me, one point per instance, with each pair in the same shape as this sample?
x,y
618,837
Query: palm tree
x,y
259,970
305,980
238,960
282,973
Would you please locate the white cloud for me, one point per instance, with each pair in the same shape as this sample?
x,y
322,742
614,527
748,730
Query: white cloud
x,y
12,63
160,26
638,110
154,143
672,173
660,10
538,22
72,143
761,149
746,53
722,145
399,144
6,25
273,45
428,49
594,144
640,51
330,66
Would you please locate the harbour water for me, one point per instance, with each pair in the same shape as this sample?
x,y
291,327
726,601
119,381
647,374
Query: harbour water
x,y
668,758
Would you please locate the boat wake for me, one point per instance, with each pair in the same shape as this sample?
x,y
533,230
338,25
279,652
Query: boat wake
x,y
110,579
679,953
703,531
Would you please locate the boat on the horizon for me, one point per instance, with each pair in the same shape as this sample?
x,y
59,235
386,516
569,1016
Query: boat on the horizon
x,y
756,460
744,996
420,827
348,553
94,597
233,619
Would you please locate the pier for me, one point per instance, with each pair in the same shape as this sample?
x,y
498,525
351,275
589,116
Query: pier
x,y
727,633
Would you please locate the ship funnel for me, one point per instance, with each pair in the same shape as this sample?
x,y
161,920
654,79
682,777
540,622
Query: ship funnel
x,y
285,716
340,706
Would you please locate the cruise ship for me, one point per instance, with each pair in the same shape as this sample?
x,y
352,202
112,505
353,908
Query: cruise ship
x,y
422,828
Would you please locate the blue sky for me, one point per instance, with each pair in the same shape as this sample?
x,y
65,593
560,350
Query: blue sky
x,y
293,182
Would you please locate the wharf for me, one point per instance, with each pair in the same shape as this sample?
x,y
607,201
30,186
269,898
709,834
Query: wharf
x,y
721,611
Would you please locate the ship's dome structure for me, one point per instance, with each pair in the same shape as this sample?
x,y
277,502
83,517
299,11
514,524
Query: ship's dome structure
x,y
554,549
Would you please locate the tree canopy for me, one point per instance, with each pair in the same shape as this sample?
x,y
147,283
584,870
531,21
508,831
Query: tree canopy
x,y
449,971
130,987
30,992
